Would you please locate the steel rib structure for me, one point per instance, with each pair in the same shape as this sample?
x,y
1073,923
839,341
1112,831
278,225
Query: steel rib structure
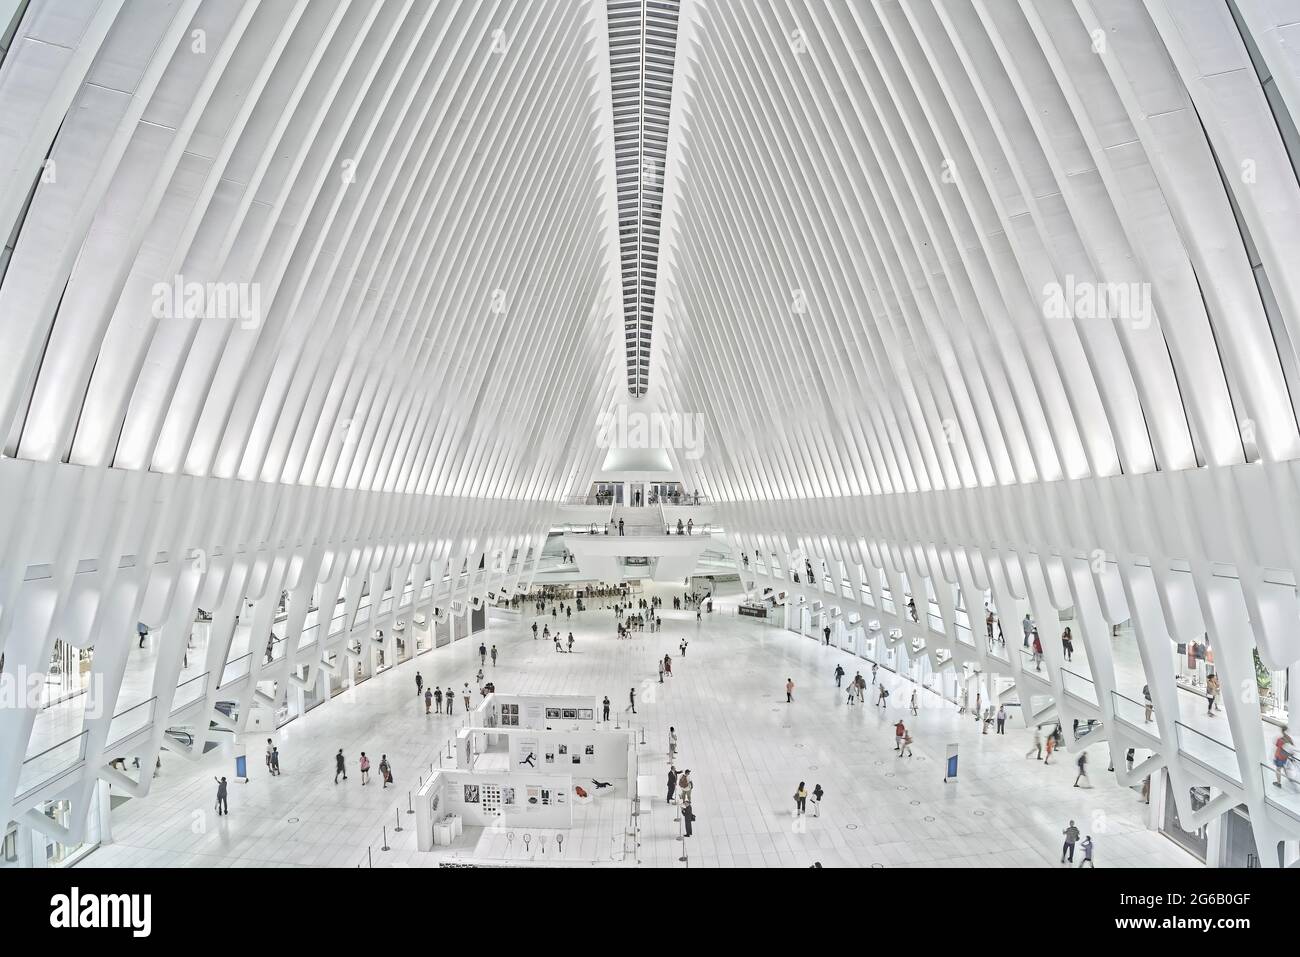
x,y
978,297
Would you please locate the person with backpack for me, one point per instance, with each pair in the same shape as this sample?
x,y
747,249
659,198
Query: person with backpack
x,y
365,769
839,675
340,767
861,684
884,693
385,771
800,799
1281,755
1083,770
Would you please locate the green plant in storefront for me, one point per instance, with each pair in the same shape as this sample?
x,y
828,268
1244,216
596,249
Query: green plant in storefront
x,y
1263,679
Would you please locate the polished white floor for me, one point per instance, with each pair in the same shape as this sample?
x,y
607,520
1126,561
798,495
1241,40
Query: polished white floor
x,y
746,748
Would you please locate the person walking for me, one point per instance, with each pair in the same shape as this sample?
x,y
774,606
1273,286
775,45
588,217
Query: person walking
x,y
672,744
1282,748
419,684
906,749
672,783
1028,626
385,771
340,767
900,730
1036,752
839,675
465,695
800,799
494,656
668,666
817,796
1083,770
1067,643
269,749
661,671
1211,692
682,646
222,807
1051,746
880,700
874,668
861,683
1086,847
275,762
365,769
826,634
143,631
570,643
605,716
1071,837
534,631
1002,719
631,699
1038,652
789,690
914,703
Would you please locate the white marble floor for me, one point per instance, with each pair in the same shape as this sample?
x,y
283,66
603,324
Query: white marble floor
x,y
746,748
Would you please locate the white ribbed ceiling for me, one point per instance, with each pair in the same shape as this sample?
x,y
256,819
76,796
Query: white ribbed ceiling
x,y
863,206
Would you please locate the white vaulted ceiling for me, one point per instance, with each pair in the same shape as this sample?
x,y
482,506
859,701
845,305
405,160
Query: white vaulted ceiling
x,y
416,190
866,201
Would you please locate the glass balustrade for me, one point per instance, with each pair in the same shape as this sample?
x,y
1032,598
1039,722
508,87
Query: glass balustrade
x,y
131,721
1207,751
53,762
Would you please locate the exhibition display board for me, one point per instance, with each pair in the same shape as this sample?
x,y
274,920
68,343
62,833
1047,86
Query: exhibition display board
x,y
538,712
491,798
586,754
